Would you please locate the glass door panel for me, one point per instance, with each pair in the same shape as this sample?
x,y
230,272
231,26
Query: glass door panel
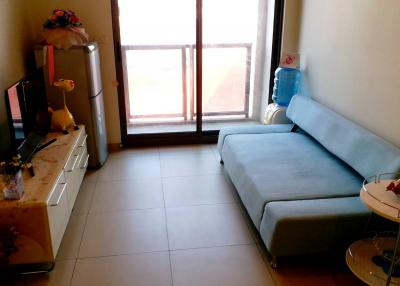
x,y
229,42
155,76
157,43
223,66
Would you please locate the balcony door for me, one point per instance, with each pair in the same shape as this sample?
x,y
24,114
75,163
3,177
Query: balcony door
x,y
186,67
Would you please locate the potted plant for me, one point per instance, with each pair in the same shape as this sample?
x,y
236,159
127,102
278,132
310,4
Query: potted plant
x,y
11,172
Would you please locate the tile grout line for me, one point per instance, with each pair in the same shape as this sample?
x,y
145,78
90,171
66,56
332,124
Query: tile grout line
x,y
216,174
214,246
162,251
159,208
84,228
215,153
166,221
72,274
190,154
267,265
193,175
250,226
161,177
166,227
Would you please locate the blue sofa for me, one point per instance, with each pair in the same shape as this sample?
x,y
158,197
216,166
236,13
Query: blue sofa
x,y
300,186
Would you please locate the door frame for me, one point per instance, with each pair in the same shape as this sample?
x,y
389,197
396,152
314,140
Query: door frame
x,y
189,137
279,15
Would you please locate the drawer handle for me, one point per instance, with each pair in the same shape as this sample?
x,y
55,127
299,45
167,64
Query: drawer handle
x,y
81,158
83,142
73,165
86,162
60,196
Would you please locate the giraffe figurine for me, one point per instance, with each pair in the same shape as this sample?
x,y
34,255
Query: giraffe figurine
x,y
62,119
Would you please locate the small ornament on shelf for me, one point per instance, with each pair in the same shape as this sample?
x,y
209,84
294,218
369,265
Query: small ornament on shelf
x,y
63,29
62,119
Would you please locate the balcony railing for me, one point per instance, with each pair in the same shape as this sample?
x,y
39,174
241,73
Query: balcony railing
x,y
235,79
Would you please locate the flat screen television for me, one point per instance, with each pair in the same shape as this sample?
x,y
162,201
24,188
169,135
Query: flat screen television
x,y
27,110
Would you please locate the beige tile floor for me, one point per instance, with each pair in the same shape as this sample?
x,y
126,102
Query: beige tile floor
x,y
168,216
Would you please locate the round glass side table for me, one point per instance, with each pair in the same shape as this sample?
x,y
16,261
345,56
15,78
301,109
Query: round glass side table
x,y
359,255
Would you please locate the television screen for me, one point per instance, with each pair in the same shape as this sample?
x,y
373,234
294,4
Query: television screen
x,y
5,139
15,112
26,104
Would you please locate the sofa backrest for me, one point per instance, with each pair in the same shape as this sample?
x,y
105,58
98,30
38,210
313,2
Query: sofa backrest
x,y
365,152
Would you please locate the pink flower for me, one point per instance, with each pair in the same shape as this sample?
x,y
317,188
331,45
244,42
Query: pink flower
x,y
59,13
74,19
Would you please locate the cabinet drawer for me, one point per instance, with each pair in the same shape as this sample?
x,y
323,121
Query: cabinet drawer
x,y
57,210
73,174
82,140
74,158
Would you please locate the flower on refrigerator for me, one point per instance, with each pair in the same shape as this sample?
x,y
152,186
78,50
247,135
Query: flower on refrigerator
x,y
62,19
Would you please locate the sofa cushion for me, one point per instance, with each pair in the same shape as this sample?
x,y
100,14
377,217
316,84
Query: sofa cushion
x,y
252,129
367,153
283,167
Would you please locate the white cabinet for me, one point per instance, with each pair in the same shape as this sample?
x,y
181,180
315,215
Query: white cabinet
x,y
74,170
65,190
57,210
37,222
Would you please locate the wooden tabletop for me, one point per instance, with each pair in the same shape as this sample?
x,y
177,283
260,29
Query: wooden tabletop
x,y
380,201
47,165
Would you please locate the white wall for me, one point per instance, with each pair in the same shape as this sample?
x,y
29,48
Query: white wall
x,y
96,18
351,59
14,50
291,27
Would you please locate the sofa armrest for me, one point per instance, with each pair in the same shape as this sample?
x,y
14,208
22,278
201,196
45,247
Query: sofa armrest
x,y
253,129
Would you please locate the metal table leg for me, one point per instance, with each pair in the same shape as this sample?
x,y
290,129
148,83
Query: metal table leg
x,y
392,264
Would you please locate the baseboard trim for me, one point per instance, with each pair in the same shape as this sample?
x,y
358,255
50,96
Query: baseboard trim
x,y
112,147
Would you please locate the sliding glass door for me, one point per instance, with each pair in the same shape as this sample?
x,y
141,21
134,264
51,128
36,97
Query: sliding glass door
x,y
184,70
229,42
157,42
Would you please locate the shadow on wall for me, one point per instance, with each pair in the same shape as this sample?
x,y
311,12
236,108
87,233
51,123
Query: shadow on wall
x,y
304,83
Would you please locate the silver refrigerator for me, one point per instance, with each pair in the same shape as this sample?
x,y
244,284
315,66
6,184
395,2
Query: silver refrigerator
x,y
81,64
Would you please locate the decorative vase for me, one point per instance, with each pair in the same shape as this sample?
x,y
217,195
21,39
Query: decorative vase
x,y
65,38
13,186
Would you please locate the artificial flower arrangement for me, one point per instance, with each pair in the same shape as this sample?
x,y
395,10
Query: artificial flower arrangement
x,y
11,171
394,186
11,166
62,18
63,29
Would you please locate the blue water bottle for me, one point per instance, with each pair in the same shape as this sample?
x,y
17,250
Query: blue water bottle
x,y
286,84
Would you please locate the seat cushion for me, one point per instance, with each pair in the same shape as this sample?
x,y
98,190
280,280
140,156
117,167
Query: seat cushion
x,y
284,167
251,129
